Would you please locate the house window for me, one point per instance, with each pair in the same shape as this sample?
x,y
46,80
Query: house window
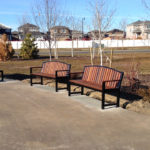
x,y
55,31
137,26
63,31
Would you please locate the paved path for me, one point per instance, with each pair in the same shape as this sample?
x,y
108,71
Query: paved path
x,y
33,118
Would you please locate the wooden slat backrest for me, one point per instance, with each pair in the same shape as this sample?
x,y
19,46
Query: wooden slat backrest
x,y
90,74
51,67
111,74
98,74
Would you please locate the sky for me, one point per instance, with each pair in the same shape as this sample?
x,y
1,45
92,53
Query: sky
x,y
11,11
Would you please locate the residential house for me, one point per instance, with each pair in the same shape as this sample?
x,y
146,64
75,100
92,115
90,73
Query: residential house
x,y
5,30
138,30
115,34
94,34
60,33
75,34
15,36
30,28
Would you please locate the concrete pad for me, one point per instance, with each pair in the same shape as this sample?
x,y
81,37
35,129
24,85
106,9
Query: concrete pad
x,y
37,118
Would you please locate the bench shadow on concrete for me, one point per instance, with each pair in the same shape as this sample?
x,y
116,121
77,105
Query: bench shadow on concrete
x,y
17,76
130,97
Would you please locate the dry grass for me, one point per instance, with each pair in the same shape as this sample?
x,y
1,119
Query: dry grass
x,y
20,68
121,62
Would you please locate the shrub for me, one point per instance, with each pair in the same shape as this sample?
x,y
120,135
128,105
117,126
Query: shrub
x,y
29,49
132,76
6,50
145,93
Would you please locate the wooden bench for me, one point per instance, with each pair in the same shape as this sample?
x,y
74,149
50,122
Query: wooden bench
x,y
53,70
2,75
98,78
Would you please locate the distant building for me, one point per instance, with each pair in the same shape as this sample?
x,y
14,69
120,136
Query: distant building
x,y
30,28
115,34
94,34
5,30
60,33
15,36
138,30
75,34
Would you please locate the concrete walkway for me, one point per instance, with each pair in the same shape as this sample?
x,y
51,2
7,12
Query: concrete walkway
x,y
35,118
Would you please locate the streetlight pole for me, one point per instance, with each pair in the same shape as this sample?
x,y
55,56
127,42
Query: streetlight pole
x,y
82,26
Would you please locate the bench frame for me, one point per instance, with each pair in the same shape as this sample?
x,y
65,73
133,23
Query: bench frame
x,y
2,75
115,91
58,79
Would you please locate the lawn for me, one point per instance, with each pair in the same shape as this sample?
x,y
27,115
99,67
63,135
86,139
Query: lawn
x,y
134,62
122,62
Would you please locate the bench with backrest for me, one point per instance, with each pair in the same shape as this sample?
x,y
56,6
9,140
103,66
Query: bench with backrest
x,y
99,78
53,70
2,75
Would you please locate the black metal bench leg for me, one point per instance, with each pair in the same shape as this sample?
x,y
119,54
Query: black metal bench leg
x,y
31,80
82,90
41,80
67,83
69,89
56,86
2,75
103,99
118,98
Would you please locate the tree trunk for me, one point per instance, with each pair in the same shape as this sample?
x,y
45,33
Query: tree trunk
x,y
50,50
72,54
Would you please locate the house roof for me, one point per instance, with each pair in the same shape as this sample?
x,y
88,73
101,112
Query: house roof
x,y
60,27
4,27
15,32
140,22
115,30
93,31
28,25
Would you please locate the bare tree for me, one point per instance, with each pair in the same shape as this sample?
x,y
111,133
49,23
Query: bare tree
x,y
24,19
146,3
46,15
75,25
123,24
102,19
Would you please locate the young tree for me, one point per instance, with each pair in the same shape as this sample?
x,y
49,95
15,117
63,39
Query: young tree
x,y
102,19
24,19
75,25
146,3
29,49
46,15
123,24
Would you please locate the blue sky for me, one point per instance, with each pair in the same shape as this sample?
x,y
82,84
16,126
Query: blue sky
x,y
11,11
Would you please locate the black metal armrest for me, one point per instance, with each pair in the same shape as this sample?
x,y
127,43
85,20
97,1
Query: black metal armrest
x,y
31,69
56,73
104,83
112,81
76,75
